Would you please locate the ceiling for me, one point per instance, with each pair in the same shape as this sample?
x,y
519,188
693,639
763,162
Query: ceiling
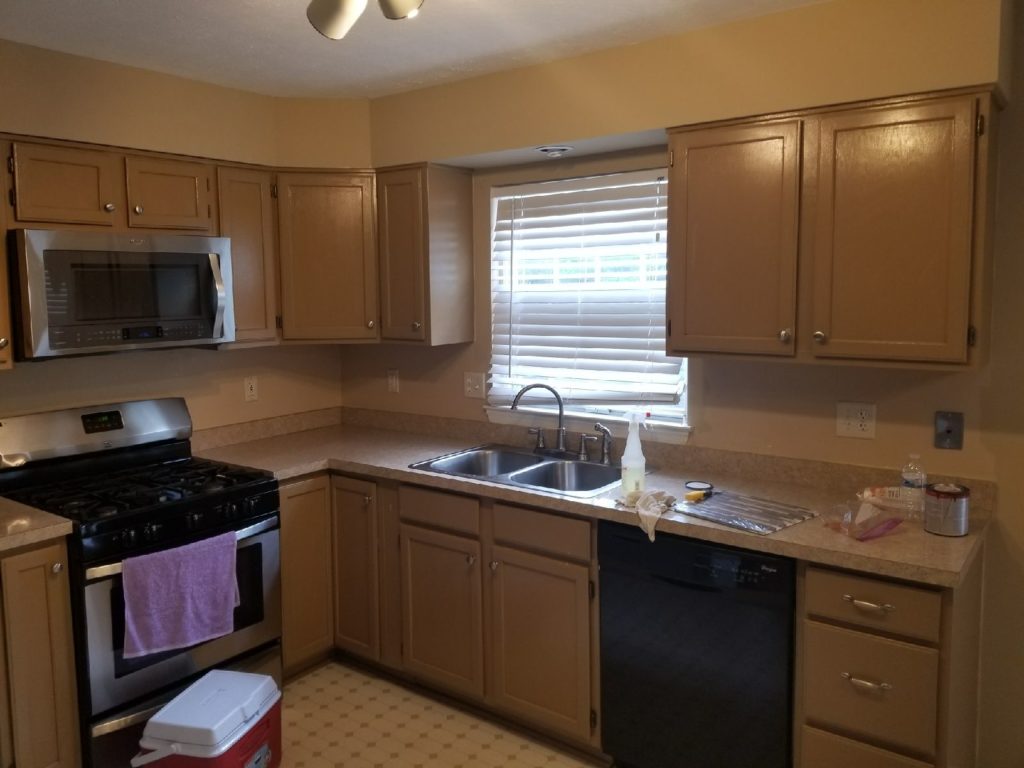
x,y
267,46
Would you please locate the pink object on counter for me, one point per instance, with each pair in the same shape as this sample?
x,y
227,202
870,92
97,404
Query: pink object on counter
x,y
179,597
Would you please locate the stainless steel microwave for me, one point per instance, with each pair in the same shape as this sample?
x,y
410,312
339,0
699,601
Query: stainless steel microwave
x,y
86,292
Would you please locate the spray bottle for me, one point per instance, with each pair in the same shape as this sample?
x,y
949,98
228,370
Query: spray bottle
x,y
634,466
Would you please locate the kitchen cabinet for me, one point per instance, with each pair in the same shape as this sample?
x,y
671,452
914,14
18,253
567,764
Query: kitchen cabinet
x,y
67,185
540,610
247,217
424,215
307,622
888,670
169,194
442,608
6,330
356,572
734,223
42,731
328,256
834,235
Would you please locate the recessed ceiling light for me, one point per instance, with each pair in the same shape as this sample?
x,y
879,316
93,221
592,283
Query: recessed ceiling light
x,y
554,150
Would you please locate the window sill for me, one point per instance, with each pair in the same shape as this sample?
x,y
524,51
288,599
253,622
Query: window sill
x,y
576,421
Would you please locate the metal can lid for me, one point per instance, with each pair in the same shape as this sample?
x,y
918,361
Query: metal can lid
x,y
948,490
699,485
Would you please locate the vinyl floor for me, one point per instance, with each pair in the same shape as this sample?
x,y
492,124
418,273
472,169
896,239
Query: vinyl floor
x,y
336,716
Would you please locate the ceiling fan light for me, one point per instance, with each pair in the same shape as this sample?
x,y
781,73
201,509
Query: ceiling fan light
x,y
400,9
334,18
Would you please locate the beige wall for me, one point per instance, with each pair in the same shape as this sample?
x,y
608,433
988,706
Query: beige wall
x,y
44,93
290,380
820,54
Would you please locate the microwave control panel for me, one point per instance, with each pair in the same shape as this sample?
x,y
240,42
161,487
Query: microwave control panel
x,y
90,336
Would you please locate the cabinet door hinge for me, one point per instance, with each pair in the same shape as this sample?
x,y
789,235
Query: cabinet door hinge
x,y
279,321
13,198
972,336
979,126
209,211
593,719
273,190
593,589
10,163
668,329
671,158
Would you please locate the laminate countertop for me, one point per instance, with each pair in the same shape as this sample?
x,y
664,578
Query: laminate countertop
x,y
907,553
21,526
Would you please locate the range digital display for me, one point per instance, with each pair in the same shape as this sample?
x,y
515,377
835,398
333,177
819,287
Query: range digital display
x,y
105,421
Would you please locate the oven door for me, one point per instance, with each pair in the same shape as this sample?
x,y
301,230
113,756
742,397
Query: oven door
x,y
115,681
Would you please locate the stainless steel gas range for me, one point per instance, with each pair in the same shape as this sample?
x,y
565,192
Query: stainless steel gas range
x,y
124,474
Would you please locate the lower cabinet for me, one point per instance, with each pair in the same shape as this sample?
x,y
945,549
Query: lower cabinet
x,y
356,572
307,626
41,730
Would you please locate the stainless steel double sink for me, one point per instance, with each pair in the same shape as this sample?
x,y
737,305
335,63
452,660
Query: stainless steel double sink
x,y
522,468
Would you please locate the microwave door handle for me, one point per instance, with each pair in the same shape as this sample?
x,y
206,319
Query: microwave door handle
x,y
222,296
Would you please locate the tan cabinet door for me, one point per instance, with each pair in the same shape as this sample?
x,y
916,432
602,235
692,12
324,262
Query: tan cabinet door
x,y
442,613
402,221
356,577
893,240
6,340
328,256
40,658
540,659
169,194
307,631
733,235
68,185
247,217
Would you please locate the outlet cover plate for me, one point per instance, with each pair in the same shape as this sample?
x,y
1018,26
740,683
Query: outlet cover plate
x,y
393,381
855,420
251,388
949,430
473,385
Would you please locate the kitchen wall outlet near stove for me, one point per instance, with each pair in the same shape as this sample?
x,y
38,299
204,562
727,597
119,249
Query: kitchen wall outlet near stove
x,y
252,393
473,385
855,420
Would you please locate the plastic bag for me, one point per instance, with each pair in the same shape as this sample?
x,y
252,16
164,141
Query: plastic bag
x,y
864,520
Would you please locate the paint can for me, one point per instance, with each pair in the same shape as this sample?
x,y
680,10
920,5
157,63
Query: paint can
x,y
946,509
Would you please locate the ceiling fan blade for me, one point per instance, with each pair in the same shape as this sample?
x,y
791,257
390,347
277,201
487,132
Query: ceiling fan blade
x,y
334,18
400,9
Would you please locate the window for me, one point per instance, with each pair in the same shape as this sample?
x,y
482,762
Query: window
x,y
578,294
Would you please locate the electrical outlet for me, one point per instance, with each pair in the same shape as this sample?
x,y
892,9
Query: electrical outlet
x,y
251,392
949,430
855,420
473,385
392,380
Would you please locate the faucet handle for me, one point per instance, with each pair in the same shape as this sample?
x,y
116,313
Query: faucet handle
x,y
584,439
606,442
540,446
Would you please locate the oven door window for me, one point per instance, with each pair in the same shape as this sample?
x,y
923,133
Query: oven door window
x,y
249,570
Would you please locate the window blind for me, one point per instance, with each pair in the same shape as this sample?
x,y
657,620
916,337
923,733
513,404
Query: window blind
x,y
578,273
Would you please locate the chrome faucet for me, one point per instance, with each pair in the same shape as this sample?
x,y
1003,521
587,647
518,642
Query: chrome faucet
x,y
606,443
560,441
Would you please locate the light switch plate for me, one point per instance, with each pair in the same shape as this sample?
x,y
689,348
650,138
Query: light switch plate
x,y
473,385
393,384
855,420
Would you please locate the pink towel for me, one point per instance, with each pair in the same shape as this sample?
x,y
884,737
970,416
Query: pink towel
x,y
179,597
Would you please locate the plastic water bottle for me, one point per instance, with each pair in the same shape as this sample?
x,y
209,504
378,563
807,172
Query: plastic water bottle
x,y
914,481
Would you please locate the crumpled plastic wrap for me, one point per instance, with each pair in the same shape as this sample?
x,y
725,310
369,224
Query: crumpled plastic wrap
x,y
649,506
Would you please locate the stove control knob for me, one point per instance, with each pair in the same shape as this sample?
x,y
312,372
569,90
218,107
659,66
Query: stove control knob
x,y
128,537
195,519
232,510
250,505
151,531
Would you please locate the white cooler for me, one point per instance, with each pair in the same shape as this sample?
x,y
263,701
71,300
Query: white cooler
x,y
223,720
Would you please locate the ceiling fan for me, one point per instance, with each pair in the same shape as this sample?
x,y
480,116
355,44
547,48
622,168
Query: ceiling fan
x,y
334,18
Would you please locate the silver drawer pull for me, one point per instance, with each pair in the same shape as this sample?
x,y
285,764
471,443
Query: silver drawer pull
x,y
864,605
470,559
866,685
494,565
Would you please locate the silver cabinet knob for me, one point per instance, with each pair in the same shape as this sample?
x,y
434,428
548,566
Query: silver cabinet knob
x,y
785,335
139,209
109,207
367,500
820,337
57,567
416,325
470,559
494,565
4,342
370,324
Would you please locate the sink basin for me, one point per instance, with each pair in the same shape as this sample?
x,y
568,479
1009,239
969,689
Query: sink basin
x,y
573,476
525,469
483,462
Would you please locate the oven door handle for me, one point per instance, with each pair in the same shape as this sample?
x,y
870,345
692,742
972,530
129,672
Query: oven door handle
x,y
222,296
103,571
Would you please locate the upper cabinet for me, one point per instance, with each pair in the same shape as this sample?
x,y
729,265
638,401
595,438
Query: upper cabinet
x,y
732,287
169,194
247,217
892,235
68,185
328,256
857,235
6,340
424,215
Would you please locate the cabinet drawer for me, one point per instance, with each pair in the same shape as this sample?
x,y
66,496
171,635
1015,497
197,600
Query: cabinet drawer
x,y
874,603
826,750
441,510
844,672
551,534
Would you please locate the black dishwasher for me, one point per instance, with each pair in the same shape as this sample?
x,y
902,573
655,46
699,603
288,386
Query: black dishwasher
x,y
696,652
